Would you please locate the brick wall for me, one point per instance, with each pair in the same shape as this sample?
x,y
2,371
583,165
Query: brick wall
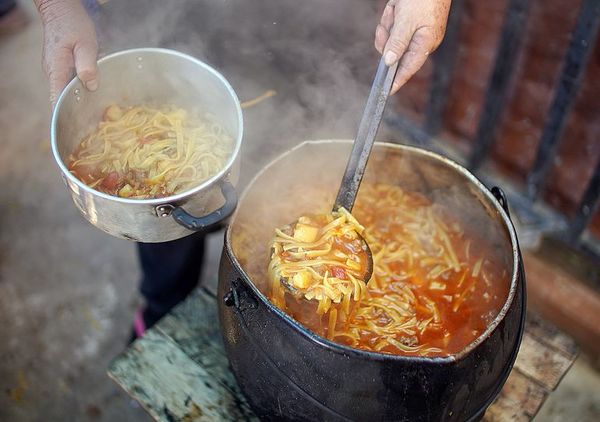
x,y
532,87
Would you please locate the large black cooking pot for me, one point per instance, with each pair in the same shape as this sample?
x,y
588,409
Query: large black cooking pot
x,y
289,373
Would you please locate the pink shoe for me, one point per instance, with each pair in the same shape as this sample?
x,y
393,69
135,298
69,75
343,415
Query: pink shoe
x,y
139,327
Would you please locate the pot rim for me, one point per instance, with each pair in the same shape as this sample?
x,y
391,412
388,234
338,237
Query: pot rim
x,y
154,201
347,350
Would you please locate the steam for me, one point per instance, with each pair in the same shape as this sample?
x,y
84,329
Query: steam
x,y
317,54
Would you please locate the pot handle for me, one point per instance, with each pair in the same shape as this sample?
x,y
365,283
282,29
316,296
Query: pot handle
x,y
239,297
206,222
501,198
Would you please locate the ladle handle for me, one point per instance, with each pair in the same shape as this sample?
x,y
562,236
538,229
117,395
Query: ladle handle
x,y
361,149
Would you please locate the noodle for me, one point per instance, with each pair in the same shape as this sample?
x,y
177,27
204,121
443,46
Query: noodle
x,y
142,152
251,103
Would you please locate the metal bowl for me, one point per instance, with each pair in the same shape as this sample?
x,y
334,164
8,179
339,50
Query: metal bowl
x,y
149,76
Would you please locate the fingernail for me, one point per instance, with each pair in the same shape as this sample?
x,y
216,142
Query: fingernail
x,y
386,13
92,84
390,58
389,9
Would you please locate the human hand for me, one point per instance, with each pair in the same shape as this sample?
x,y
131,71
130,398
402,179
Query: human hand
x,y
409,31
70,45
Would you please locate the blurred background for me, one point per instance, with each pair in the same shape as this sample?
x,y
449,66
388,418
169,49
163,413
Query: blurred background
x,y
512,93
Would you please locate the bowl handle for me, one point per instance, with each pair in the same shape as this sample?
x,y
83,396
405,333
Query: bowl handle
x,y
207,222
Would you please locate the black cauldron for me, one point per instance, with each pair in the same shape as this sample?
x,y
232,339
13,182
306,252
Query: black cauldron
x,y
289,373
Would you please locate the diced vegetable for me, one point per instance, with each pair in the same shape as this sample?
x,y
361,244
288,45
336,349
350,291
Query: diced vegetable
x,y
111,181
436,285
113,113
126,191
302,279
305,233
338,272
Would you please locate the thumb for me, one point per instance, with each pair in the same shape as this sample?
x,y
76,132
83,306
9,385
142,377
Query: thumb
x,y
397,43
85,54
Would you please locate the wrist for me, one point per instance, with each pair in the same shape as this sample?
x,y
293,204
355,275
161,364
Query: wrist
x,y
50,10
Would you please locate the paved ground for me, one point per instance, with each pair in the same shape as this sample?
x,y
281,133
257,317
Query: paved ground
x,y
68,291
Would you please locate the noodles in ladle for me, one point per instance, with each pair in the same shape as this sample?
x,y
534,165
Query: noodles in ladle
x,y
320,258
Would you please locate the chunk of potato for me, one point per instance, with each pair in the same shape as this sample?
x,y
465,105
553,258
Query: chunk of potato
x,y
113,113
305,233
302,279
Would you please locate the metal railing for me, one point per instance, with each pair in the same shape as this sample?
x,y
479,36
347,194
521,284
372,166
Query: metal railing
x,y
535,217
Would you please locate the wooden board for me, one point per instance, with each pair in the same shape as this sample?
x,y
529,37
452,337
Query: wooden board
x,y
171,386
564,300
541,363
550,335
545,356
519,400
179,370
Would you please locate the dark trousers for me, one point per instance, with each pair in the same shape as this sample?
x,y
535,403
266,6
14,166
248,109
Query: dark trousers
x,y
6,6
170,271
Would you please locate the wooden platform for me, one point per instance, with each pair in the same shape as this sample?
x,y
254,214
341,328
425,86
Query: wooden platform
x,y
179,370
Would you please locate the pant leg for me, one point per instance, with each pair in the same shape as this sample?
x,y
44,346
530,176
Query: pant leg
x,y
170,271
6,6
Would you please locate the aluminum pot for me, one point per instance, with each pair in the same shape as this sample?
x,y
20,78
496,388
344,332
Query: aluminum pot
x,y
289,373
150,76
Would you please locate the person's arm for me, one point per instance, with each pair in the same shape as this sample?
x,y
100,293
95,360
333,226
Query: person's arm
x,y
69,45
409,31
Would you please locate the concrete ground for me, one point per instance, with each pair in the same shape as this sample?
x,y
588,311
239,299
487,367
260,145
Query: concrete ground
x,y
67,290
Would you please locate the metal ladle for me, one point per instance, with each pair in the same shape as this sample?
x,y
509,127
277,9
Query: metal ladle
x,y
361,150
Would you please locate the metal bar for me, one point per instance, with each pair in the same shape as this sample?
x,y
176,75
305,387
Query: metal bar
x,y
587,207
367,130
576,58
443,65
495,98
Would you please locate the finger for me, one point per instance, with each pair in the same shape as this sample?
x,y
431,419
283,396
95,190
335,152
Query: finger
x,y
85,55
397,43
58,80
412,60
387,18
381,37
59,70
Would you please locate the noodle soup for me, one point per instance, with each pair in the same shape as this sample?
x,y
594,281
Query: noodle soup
x,y
435,286
143,152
